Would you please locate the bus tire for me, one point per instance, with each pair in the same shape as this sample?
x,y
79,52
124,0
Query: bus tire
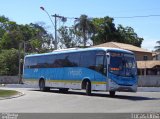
x,y
112,93
88,88
42,85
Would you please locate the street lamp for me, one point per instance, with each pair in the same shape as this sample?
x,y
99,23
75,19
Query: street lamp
x,y
42,8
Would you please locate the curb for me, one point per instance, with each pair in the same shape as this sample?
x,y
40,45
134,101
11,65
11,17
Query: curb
x,y
148,89
14,96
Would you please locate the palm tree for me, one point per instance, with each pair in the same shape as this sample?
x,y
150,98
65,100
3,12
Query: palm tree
x,y
157,47
85,27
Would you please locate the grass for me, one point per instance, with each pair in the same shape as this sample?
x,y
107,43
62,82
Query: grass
x,y
7,93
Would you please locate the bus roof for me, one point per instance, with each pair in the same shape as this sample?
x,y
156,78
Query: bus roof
x,y
72,50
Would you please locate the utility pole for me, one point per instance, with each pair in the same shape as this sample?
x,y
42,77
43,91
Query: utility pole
x,y
64,19
24,48
19,67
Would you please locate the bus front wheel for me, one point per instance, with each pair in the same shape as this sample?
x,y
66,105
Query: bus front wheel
x,y
112,93
88,88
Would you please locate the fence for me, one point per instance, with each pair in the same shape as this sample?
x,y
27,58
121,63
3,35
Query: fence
x,y
149,81
9,79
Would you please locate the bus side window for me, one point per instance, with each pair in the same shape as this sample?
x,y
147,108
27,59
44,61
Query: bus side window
x,y
99,63
33,62
87,60
58,62
73,59
27,63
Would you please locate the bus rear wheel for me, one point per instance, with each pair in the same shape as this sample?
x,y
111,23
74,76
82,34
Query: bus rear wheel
x,y
112,93
88,88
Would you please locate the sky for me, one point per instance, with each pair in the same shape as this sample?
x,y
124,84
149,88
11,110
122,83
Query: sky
x,y
28,11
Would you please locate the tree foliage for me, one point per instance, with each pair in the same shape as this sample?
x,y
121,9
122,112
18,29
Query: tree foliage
x,y
128,35
68,37
157,48
14,37
34,35
9,62
85,27
105,30
101,30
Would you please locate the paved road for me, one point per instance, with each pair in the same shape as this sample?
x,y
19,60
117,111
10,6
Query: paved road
x,y
76,101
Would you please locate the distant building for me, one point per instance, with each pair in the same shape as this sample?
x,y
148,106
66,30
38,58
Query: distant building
x,y
156,55
140,53
145,63
148,67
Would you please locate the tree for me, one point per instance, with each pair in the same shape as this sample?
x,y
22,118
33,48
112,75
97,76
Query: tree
x,y
40,40
35,36
158,46
105,30
9,62
128,35
67,37
3,22
85,27
8,32
11,38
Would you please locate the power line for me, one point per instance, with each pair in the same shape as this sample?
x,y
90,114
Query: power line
x,y
139,16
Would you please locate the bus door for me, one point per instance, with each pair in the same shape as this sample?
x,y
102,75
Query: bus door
x,y
100,75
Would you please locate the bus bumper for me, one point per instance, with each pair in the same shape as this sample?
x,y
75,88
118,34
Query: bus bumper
x,y
124,88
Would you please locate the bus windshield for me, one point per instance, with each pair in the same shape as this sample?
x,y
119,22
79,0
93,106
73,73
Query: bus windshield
x,y
122,64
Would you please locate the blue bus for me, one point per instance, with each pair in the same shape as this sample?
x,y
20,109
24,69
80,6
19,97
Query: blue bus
x,y
91,69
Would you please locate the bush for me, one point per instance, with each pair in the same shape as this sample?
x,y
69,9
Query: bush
x,y
9,60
